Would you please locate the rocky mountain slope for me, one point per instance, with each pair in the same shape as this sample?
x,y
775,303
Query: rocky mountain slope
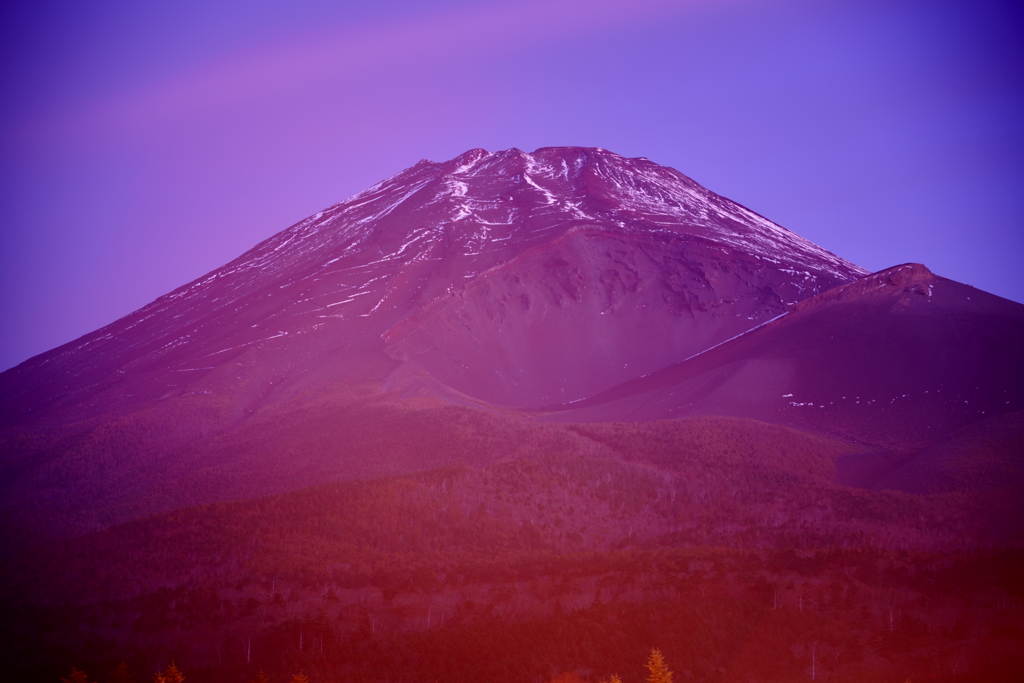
x,y
517,278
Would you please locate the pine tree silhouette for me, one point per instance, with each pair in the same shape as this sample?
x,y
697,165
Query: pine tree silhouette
x,y
169,675
121,674
75,676
659,671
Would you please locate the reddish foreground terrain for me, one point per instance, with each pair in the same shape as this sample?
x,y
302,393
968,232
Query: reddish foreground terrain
x,y
514,416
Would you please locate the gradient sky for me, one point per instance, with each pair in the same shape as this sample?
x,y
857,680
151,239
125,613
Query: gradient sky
x,y
144,144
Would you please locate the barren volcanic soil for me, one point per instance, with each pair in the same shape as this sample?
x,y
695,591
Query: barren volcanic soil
x,y
895,360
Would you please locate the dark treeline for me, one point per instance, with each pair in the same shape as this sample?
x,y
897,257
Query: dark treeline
x,y
717,616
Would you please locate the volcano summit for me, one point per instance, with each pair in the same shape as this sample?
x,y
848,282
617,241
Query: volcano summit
x,y
516,279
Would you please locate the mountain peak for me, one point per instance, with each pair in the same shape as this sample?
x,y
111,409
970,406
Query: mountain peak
x,y
914,276
507,256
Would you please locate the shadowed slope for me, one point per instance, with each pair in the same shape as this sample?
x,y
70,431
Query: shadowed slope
x,y
111,474
897,360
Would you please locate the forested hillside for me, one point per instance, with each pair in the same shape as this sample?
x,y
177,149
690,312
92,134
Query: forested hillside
x,y
725,542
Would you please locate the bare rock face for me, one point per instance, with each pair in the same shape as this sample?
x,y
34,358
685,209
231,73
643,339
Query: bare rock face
x,y
516,279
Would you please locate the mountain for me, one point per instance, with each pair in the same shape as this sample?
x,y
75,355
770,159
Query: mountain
x,y
505,279
447,313
524,417
518,279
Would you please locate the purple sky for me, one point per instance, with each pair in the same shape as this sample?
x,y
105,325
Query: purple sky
x,y
144,144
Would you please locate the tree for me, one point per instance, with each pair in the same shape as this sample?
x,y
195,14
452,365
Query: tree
x,y
169,675
75,676
300,678
261,678
614,679
659,671
121,675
